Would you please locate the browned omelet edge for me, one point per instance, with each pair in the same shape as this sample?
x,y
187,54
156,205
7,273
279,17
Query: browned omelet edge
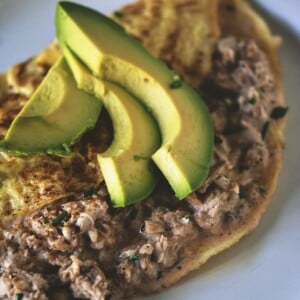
x,y
242,21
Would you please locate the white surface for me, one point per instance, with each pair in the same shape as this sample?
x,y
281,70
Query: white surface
x,y
264,265
287,10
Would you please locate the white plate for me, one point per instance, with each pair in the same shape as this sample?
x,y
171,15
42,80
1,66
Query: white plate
x,y
266,264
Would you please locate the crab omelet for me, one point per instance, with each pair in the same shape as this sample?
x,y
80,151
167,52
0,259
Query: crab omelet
x,y
60,236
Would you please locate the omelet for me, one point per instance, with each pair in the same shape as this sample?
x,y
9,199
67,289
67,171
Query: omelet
x,y
73,242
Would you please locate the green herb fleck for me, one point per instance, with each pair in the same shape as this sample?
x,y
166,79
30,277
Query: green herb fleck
x,y
262,190
139,157
46,221
89,192
218,140
134,257
18,296
158,275
279,112
60,218
242,194
228,217
176,82
118,14
265,130
233,104
252,101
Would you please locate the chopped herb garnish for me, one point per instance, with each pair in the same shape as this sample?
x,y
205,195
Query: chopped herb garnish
x,y
242,194
279,112
118,14
46,221
252,101
228,217
263,190
265,130
18,296
165,207
134,257
89,192
218,140
60,218
232,104
139,157
158,275
176,82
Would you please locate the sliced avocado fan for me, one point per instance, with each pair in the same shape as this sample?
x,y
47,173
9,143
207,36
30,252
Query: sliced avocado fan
x,y
126,164
54,118
103,46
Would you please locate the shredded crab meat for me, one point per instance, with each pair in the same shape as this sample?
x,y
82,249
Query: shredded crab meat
x,y
85,247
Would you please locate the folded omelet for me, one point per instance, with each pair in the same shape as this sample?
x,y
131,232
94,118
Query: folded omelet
x,y
66,240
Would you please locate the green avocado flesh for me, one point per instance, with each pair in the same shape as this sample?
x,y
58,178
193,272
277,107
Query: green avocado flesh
x,y
55,117
126,163
103,46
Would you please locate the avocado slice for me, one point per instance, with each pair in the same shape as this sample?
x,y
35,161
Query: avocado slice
x,y
186,128
126,164
54,118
